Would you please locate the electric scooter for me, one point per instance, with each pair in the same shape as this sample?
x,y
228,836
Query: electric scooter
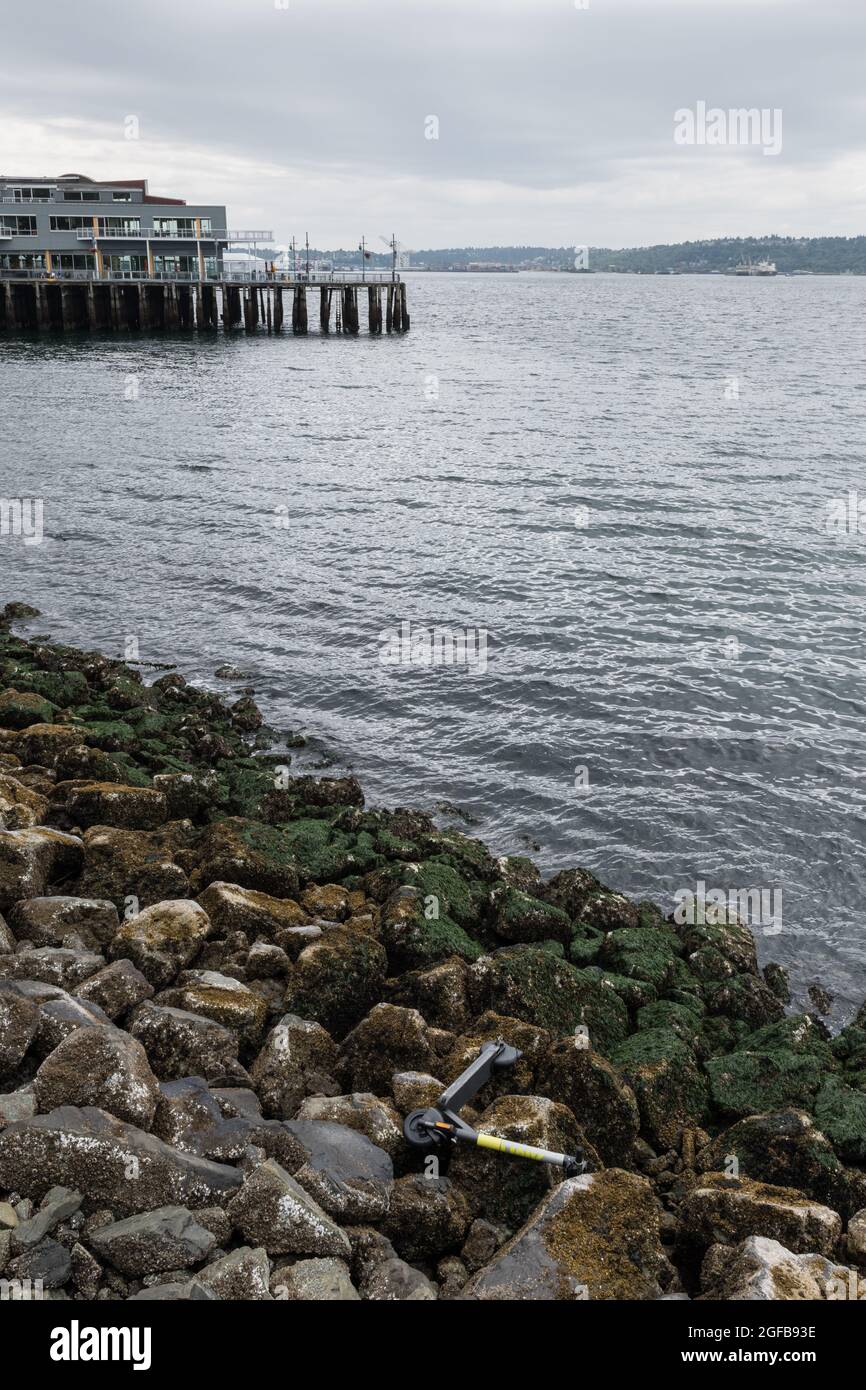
x,y
439,1129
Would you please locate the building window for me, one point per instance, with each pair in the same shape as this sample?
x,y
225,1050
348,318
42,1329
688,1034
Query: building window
x,y
175,265
121,197
18,226
31,195
125,265
72,260
78,195
120,226
71,224
22,261
174,226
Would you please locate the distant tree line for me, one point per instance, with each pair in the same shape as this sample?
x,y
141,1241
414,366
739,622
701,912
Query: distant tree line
x,y
830,255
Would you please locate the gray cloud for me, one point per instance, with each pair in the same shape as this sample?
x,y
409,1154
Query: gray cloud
x,y
551,117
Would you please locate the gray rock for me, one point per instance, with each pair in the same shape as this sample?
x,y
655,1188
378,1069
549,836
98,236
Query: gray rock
x,y
155,1241
761,1269
244,1274
314,1281
195,1291
86,1271
361,1111
48,1262
297,1059
237,1102
346,1174
116,989
179,1043
17,1105
392,1280
276,1212
111,1163
47,921
719,1209
104,1067
19,1020
163,939
52,965
59,1204
32,859
593,1237
189,1117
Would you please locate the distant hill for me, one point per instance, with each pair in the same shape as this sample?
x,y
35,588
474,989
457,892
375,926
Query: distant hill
x,y
830,255
826,255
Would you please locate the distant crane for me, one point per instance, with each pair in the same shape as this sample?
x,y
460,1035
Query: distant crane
x,y
400,254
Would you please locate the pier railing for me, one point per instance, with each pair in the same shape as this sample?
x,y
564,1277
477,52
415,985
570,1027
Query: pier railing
x,y
211,277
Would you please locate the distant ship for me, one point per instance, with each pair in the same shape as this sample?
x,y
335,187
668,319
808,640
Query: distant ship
x,y
756,268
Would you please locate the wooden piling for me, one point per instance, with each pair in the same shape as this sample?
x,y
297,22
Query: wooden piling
x,y
374,309
74,307
299,310
324,310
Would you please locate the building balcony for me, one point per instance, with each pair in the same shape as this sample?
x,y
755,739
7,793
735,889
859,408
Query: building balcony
x,y
150,234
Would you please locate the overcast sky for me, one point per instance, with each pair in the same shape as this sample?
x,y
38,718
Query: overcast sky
x,y
555,122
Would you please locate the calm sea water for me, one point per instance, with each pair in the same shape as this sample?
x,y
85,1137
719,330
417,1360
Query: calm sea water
x,y
697,646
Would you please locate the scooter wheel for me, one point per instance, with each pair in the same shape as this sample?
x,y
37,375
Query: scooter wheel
x,y
416,1133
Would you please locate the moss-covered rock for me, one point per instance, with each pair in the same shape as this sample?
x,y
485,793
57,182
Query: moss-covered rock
x,y
598,1095
417,933
744,997
113,803
388,1039
672,1094
337,980
731,945
531,983
250,854
723,1210
19,709
782,1147
643,953
584,945
748,1083
682,1019
840,1111
519,917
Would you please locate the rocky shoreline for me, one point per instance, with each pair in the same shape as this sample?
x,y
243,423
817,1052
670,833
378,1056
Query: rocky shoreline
x,y
223,986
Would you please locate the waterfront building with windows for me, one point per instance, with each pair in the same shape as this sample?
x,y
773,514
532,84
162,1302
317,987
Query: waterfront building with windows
x,y
74,224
